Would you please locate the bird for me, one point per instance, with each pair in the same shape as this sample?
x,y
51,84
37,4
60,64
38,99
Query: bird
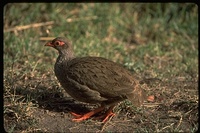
x,y
94,80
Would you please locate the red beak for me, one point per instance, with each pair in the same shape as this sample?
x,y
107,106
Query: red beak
x,y
49,44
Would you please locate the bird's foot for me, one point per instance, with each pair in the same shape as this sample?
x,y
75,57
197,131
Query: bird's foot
x,y
76,115
80,118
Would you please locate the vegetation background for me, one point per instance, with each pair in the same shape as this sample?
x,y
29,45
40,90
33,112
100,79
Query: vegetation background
x,y
157,42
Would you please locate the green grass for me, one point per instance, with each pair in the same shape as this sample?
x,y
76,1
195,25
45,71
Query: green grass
x,y
151,40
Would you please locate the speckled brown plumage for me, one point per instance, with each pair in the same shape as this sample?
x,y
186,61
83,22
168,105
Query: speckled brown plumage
x,y
94,79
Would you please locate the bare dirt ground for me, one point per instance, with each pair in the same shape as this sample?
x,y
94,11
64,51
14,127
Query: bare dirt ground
x,y
175,109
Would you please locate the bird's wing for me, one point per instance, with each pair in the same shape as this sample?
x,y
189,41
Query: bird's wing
x,y
102,75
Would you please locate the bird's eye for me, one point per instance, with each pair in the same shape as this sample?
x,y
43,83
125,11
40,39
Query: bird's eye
x,y
57,43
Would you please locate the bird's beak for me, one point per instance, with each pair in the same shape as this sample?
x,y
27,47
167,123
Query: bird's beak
x,y
49,44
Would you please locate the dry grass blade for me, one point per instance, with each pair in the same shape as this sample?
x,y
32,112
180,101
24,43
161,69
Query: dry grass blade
x,y
165,127
46,38
17,28
80,19
151,104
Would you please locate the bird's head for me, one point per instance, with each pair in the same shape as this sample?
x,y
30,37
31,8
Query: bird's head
x,y
61,44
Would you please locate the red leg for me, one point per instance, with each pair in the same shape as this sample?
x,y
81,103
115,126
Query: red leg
x,y
108,114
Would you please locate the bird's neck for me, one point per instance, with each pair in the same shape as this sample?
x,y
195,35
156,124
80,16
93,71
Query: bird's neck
x,y
65,56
